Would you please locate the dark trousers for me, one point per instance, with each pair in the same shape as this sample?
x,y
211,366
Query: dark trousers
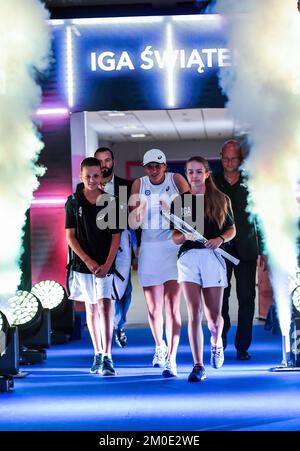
x,y
245,273
122,306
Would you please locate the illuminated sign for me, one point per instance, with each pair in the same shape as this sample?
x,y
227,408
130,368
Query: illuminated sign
x,y
143,62
205,58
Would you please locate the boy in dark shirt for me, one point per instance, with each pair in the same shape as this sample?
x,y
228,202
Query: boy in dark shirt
x,y
94,250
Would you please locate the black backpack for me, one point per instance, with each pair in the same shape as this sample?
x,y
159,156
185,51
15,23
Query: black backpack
x,y
74,202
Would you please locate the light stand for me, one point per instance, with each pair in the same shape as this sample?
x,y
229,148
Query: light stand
x,y
33,323
290,354
63,323
53,296
9,361
33,348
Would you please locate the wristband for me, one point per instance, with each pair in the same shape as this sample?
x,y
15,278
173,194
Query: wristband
x,y
222,238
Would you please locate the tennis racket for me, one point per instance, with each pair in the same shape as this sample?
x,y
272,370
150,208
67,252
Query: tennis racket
x,y
184,227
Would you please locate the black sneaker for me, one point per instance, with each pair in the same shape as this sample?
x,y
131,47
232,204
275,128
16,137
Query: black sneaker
x,y
107,368
243,355
198,374
120,337
97,363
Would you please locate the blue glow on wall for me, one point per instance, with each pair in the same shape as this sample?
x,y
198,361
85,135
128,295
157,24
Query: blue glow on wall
x,y
141,63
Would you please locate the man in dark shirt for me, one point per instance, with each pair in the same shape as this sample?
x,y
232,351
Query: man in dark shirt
x,y
121,188
246,246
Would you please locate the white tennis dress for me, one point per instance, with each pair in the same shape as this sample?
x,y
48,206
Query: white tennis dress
x,y
158,253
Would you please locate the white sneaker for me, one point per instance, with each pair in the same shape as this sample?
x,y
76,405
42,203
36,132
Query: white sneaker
x,y
170,369
217,356
159,358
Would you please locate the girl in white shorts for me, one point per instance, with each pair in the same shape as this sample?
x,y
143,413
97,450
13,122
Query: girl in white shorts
x,y
202,272
157,263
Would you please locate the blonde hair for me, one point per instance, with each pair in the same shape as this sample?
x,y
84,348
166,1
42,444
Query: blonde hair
x,y
216,203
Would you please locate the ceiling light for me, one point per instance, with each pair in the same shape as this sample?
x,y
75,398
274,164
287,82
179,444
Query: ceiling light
x,y
197,18
140,20
116,114
138,135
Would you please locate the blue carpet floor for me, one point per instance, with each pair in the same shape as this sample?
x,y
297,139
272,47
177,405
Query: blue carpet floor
x,y
60,394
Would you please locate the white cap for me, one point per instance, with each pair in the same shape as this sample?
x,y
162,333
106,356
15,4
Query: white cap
x,y
154,156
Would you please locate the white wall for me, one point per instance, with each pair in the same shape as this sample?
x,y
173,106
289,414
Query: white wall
x,y
92,141
174,150
84,142
78,144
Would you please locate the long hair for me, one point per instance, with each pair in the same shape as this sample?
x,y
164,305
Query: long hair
x,y
215,202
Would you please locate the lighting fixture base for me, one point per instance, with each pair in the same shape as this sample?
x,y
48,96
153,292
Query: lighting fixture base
x,y
21,374
6,383
282,368
32,356
59,338
9,361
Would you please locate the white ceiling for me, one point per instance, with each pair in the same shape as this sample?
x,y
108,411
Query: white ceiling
x,y
162,125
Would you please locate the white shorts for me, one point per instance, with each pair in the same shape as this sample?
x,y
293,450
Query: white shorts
x,y
89,288
203,267
157,263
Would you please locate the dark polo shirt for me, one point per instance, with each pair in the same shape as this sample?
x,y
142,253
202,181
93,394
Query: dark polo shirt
x,y
247,243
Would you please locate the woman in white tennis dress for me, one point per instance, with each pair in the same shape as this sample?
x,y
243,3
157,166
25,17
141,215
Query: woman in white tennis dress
x,y
157,263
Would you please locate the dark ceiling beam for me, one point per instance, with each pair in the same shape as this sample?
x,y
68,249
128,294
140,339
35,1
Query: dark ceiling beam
x,y
67,11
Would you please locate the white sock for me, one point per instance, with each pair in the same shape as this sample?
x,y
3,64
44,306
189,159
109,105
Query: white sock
x,y
163,346
219,343
107,354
